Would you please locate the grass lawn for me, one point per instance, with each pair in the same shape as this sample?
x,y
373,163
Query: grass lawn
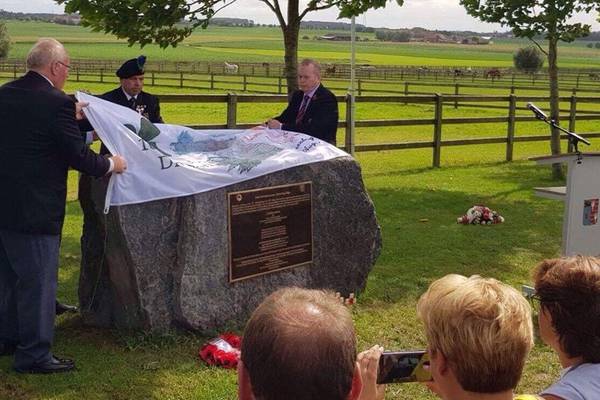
x,y
405,190
416,206
263,44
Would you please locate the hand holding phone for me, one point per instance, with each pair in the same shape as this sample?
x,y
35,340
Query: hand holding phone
x,y
403,366
368,362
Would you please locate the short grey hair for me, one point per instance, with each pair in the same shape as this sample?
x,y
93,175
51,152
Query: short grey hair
x,y
314,63
45,52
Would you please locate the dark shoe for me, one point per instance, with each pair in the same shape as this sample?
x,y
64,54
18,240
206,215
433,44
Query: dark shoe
x,y
55,365
63,308
7,348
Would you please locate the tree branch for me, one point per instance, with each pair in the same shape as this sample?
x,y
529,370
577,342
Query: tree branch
x,y
316,8
277,10
539,47
225,5
271,6
204,8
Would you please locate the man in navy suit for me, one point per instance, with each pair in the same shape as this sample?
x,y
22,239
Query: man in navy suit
x,y
39,141
313,109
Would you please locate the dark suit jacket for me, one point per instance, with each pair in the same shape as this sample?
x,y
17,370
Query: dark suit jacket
x,y
320,119
149,105
39,141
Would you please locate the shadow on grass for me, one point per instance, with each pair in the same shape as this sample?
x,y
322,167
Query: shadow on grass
x,y
122,365
422,241
417,210
112,364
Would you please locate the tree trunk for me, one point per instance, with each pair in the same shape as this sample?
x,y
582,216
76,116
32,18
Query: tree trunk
x,y
290,39
557,172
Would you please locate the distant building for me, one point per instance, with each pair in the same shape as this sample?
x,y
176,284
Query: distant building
x,y
337,37
67,19
477,40
431,37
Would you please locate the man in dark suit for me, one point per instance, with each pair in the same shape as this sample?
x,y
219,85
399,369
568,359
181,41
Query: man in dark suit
x,y
39,141
313,109
130,93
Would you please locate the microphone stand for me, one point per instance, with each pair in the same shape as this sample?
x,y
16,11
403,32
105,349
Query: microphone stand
x,y
573,138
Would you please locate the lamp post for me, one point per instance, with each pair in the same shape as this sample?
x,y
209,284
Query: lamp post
x,y
350,140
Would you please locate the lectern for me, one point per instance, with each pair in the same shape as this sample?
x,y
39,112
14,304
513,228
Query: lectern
x,y
581,229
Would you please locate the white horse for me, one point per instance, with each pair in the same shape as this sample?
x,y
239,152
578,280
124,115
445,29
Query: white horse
x,y
231,68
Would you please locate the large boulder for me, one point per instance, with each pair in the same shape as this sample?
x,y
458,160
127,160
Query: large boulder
x,y
165,263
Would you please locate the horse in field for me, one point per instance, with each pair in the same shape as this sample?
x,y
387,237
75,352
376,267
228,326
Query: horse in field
x,y
231,68
493,73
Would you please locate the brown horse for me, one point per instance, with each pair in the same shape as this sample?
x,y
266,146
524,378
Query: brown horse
x,y
493,73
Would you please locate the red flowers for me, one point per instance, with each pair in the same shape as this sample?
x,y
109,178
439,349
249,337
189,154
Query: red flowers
x,y
223,351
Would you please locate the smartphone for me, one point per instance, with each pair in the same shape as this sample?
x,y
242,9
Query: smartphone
x,y
527,291
403,366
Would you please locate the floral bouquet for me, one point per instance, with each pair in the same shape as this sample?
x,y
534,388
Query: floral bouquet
x,y
480,215
222,351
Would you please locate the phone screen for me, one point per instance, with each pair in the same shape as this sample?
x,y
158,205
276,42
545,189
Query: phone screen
x,y
403,366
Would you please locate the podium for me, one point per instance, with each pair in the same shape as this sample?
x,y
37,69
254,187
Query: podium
x,y
581,228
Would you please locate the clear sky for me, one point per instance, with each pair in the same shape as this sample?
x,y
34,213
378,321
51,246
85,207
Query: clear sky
x,y
431,14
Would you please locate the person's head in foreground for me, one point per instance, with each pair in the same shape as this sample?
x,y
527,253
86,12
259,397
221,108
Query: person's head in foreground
x,y
479,333
131,75
309,75
49,58
568,290
299,345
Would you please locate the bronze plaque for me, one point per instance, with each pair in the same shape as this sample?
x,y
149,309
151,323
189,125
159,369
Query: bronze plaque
x,y
270,229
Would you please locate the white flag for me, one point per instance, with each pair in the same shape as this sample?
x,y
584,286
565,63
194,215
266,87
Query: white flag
x,y
165,161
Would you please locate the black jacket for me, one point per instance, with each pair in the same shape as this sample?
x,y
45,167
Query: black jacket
x,y
320,119
39,141
146,103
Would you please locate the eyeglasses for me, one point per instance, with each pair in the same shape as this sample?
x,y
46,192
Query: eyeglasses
x,y
535,301
532,297
64,65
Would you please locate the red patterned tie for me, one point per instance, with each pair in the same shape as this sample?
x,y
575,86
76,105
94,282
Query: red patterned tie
x,y
302,109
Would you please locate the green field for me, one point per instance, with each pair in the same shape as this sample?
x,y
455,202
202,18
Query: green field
x,y
416,207
262,44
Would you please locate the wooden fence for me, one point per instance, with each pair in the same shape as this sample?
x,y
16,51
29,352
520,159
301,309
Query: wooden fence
x,y
277,85
207,72
437,122
331,70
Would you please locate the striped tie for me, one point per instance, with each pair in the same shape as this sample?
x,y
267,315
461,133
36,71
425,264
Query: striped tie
x,y
302,109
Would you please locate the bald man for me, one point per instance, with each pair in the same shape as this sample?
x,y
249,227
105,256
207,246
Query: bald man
x,y
39,141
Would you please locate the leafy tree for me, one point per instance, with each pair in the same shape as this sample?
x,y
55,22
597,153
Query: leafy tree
x,y
4,40
590,45
530,18
160,21
391,35
529,60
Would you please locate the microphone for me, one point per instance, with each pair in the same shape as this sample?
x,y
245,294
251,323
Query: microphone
x,y
539,114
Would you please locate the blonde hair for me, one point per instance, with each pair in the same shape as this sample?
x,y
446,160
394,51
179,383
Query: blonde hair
x,y
482,327
44,52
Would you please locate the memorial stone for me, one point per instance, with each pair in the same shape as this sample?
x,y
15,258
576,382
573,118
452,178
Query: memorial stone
x,y
164,264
